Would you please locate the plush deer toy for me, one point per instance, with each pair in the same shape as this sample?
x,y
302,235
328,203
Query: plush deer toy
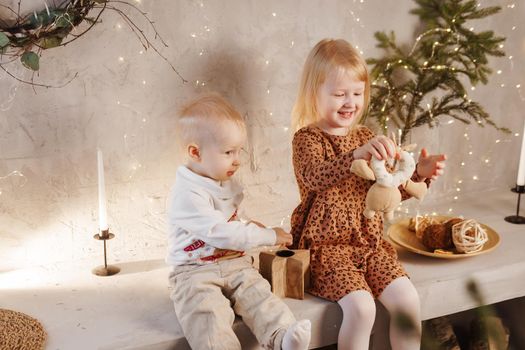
x,y
384,195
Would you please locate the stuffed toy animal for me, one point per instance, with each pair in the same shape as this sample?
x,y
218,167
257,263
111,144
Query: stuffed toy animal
x,y
384,195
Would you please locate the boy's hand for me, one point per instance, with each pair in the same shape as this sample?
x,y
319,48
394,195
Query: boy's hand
x,y
380,147
282,237
430,166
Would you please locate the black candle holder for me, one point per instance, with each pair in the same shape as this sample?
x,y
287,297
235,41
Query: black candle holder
x,y
517,219
105,270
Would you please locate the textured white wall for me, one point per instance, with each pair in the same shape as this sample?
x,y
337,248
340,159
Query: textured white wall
x,y
252,52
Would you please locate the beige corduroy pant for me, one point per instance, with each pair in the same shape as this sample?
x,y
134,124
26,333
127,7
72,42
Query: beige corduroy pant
x,y
207,297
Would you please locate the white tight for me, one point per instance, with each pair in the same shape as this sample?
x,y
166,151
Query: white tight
x,y
359,313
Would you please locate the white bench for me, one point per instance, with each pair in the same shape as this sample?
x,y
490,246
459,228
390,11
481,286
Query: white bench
x,y
132,310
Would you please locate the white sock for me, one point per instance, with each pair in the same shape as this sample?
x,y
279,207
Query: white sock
x,y
297,336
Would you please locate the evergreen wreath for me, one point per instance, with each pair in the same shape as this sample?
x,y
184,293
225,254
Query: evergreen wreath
x,y
53,27
415,87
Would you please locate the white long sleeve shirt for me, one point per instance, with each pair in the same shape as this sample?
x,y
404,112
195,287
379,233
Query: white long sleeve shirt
x,y
202,220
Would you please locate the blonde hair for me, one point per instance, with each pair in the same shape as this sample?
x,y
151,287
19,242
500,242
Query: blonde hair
x,y
198,120
327,55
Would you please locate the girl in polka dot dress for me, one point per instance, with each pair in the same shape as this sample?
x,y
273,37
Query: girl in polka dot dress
x,y
351,262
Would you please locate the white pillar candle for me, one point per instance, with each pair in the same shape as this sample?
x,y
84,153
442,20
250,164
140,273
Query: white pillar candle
x,y
521,169
102,213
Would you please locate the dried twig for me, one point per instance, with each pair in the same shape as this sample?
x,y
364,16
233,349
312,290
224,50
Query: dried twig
x,y
50,29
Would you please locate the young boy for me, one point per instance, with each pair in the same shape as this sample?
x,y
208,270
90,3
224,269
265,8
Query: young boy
x,y
212,279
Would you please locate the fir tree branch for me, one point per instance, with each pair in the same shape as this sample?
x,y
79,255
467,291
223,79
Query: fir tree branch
x,y
446,51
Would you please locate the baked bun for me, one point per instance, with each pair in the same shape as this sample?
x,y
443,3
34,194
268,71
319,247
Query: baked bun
x,y
436,236
422,223
448,224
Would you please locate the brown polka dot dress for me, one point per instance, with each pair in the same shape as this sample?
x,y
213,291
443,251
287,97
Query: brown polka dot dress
x,y
348,251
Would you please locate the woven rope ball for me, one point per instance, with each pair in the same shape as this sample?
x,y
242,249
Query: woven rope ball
x,y
468,236
20,331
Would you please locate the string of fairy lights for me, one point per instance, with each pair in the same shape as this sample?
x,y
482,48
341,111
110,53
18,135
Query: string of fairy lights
x,y
461,179
359,32
16,179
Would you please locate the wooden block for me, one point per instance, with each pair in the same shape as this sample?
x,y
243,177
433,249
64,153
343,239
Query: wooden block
x,y
288,271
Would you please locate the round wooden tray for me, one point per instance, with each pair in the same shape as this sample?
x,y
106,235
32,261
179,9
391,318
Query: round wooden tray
x,y
401,235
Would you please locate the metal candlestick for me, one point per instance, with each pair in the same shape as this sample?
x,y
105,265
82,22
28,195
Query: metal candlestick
x,y
517,219
105,270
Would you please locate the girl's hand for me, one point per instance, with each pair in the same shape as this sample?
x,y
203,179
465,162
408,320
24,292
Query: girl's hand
x,y
380,147
430,166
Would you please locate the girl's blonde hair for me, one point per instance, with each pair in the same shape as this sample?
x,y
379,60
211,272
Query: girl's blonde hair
x,y
198,121
327,55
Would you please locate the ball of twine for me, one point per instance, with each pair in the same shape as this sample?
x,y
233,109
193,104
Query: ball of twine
x,y
468,236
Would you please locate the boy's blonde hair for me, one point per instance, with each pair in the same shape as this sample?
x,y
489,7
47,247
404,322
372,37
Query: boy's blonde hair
x,y
199,120
327,55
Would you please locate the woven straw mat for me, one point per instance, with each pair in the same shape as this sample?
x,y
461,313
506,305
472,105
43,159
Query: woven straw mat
x,y
18,331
